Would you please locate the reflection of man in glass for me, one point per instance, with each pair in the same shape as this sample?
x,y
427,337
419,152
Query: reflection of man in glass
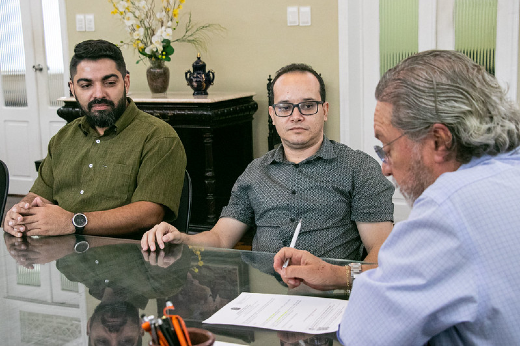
x,y
116,274
123,281
115,323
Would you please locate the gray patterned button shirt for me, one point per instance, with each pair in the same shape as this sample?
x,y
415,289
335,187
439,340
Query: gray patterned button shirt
x,y
329,191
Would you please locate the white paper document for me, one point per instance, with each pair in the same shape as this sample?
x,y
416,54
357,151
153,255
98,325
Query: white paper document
x,y
312,315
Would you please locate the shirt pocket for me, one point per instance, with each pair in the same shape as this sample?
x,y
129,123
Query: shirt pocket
x,y
116,183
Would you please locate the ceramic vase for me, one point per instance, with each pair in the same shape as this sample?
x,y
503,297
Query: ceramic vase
x,y
158,76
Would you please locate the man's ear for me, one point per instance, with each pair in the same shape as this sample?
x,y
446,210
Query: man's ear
x,y
442,143
325,110
88,326
71,88
126,80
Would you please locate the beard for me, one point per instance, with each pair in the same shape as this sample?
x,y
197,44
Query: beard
x,y
417,178
107,117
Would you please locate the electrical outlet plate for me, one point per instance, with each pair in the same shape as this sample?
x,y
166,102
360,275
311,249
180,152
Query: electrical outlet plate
x,y
305,15
292,15
80,22
89,22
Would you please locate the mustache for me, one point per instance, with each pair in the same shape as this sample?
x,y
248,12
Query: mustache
x,y
100,102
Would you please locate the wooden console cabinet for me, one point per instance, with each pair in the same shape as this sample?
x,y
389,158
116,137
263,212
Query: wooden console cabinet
x,y
216,131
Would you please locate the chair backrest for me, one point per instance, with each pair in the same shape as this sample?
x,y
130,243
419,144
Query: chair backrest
x,y
183,219
273,138
4,188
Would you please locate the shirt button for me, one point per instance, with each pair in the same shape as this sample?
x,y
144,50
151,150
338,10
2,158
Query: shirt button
x,y
82,192
90,166
293,192
98,141
292,219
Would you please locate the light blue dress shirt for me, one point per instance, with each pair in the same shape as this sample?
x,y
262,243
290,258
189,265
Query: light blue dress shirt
x,y
450,274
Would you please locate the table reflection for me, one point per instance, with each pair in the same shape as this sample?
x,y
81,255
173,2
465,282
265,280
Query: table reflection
x,y
57,292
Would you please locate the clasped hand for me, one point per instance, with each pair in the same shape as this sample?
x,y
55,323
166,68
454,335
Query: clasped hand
x,y
38,218
29,251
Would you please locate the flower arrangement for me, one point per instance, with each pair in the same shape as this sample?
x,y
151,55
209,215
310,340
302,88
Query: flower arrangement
x,y
151,26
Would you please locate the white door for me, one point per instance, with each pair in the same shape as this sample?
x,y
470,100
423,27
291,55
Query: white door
x,y
32,79
359,57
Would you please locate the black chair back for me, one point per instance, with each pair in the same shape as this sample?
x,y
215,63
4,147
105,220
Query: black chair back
x,y
4,188
183,219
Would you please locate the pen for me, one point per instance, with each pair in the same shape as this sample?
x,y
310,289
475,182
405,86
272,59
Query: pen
x,y
293,241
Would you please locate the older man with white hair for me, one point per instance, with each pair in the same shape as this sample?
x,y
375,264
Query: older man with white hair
x,y
448,274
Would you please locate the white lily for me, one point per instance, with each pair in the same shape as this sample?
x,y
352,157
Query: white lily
x,y
149,49
129,19
167,33
142,5
161,15
122,6
138,34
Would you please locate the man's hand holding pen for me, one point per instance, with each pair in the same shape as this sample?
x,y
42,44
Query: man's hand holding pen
x,y
309,269
293,241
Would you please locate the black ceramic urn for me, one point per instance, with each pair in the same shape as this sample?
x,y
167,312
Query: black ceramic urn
x,y
199,80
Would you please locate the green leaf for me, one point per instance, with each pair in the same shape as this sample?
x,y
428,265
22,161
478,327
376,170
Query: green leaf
x,y
168,50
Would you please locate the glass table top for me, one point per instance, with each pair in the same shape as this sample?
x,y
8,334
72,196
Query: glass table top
x,y
66,290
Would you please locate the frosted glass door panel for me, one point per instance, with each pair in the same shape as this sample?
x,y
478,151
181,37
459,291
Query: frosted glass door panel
x,y
12,59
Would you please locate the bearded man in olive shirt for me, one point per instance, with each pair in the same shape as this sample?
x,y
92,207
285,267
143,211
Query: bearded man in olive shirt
x,y
114,171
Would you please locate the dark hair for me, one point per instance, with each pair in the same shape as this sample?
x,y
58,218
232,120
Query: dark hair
x,y
300,68
95,50
447,87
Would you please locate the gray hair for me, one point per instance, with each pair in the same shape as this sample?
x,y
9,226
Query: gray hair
x,y
447,87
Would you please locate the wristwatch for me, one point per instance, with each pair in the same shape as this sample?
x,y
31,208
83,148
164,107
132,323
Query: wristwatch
x,y
79,221
81,245
355,270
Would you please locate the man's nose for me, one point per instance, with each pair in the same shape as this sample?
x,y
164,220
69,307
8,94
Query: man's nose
x,y
296,115
385,168
99,91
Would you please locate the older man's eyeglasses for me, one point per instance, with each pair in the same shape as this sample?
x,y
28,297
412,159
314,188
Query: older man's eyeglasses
x,y
284,109
380,151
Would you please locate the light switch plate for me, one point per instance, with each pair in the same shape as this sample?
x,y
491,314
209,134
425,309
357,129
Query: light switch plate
x,y
292,15
80,22
89,22
305,15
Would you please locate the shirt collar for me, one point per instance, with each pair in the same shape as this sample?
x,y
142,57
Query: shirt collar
x,y
126,119
326,151
501,156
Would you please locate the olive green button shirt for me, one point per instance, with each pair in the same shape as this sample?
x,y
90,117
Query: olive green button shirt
x,y
140,158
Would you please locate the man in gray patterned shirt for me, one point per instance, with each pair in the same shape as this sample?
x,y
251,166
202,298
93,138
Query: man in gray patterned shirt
x,y
340,194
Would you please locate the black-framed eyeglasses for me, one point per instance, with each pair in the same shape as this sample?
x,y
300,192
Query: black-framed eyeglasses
x,y
379,149
286,109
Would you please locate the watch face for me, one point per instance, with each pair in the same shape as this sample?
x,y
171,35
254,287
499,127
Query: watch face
x,y
355,268
81,246
80,220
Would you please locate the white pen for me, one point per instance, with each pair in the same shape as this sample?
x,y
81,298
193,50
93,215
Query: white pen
x,y
293,241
